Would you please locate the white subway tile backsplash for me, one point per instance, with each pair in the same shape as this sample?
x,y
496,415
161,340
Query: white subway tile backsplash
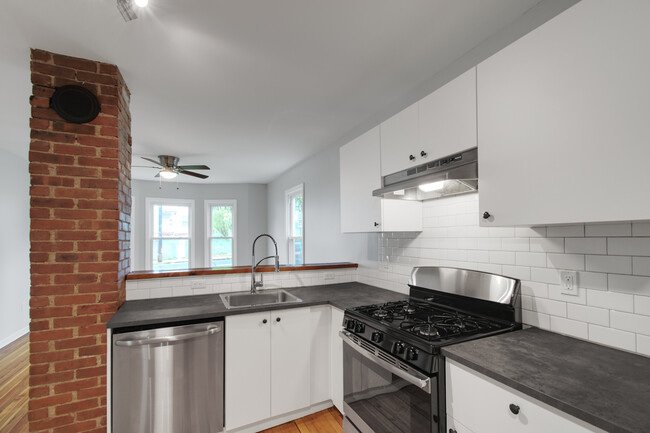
x,y
549,306
597,316
574,262
572,231
642,305
531,259
547,245
628,246
531,288
161,292
629,284
641,266
537,319
515,244
643,344
530,232
502,257
133,294
613,264
478,256
641,229
612,337
618,229
569,327
610,300
519,272
554,292
586,245
545,275
592,280
630,322
502,232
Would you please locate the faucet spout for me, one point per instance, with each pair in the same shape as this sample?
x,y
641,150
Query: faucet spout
x,y
255,284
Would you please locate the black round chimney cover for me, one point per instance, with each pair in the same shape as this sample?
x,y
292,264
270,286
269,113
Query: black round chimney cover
x,y
75,104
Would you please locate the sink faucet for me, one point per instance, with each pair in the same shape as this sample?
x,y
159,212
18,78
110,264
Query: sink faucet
x,y
256,284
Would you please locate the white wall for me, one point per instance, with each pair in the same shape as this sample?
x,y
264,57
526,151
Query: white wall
x,y
14,254
251,214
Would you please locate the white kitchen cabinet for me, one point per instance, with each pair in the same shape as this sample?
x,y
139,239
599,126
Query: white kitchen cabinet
x,y
320,353
482,405
336,370
267,365
563,120
399,141
454,426
448,118
359,176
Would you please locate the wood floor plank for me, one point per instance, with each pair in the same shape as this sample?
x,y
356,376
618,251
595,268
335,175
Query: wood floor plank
x,y
14,386
326,421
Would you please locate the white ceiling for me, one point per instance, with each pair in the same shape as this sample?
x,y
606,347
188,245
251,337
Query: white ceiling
x,y
248,87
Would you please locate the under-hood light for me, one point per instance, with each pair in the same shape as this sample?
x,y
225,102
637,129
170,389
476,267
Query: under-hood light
x,y
434,186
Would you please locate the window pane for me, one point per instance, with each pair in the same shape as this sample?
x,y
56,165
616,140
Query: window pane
x,y
221,252
297,251
171,221
171,254
221,221
296,224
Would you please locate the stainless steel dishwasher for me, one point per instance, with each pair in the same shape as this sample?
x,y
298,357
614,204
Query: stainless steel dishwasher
x,y
169,380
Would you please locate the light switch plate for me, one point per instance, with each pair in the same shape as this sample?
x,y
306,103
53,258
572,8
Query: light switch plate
x,y
569,283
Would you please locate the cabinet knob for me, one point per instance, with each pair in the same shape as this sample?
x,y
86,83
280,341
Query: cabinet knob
x,y
264,321
412,158
514,408
486,215
451,430
277,320
376,224
423,154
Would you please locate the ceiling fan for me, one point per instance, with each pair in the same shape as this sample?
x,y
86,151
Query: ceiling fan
x,y
168,167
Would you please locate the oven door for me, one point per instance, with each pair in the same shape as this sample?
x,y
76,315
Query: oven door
x,y
383,395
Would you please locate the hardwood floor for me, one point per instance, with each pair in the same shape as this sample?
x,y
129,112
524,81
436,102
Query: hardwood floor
x,y
14,386
325,421
14,389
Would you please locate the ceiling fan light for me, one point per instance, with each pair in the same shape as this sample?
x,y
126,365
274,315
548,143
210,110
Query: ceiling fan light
x,y
168,174
142,3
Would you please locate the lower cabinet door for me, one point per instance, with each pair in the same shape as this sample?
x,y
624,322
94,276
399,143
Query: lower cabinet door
x,y
248,372
337,359
486,406
454,426
290,360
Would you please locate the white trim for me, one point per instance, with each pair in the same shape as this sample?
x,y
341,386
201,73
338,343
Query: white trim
x,y
296,190
13,337
149,203
109,380
281,419
207,206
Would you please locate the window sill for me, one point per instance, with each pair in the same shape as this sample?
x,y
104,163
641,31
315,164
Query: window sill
x,y
143,275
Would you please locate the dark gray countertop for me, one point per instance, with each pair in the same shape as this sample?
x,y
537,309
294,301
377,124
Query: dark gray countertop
x,y
605,387
183,308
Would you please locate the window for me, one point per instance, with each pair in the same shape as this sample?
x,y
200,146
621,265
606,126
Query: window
x,y
170,229
295,225
221,219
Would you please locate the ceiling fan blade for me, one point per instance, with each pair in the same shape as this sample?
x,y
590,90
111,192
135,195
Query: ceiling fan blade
x,y
151,160
145,166
191,173
157,174
194,167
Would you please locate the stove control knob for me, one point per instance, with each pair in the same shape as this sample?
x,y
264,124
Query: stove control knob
x,y
398,348
412,354
360,327
377,337
350,324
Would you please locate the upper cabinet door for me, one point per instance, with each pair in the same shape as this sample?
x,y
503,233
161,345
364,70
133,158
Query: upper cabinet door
x,y
399,141
448,118
564,116
359,175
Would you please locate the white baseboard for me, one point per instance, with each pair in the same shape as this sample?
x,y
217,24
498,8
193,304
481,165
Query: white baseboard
x,y
13,337
281,419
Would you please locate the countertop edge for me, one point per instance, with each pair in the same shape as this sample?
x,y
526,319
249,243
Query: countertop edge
x,y
143,275
538,395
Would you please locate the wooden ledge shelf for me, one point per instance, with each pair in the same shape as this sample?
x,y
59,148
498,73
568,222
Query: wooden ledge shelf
x,y
143,275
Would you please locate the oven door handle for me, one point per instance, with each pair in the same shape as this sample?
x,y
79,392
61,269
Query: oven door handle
x,y
421,381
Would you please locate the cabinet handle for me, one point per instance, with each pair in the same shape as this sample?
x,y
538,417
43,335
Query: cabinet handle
x,y
277,320
376,224
486,215
412,158
514,408
423,154
264,321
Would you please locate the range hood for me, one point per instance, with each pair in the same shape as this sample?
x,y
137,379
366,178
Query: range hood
x,y
454,174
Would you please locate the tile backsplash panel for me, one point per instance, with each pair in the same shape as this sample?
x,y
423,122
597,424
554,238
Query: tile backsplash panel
x,y
612,262
224,283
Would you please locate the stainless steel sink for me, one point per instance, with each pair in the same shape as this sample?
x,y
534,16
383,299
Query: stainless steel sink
x,y
263,297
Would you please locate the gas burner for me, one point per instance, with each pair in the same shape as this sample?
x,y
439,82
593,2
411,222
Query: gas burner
x,y
428,330
409,309
382,314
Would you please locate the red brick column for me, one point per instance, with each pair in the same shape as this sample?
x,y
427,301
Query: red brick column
x,y
80,224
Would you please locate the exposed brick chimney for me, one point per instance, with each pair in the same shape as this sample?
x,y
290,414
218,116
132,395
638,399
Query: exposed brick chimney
x,y
80,233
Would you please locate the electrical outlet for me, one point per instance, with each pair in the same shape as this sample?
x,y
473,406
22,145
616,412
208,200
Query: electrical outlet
x,y
197,285
386,267
329,276
569,283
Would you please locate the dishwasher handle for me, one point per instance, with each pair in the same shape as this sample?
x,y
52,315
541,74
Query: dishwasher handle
x,y
128,342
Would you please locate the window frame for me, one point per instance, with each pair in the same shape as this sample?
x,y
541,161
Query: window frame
x,y
207,205
150,203
288,195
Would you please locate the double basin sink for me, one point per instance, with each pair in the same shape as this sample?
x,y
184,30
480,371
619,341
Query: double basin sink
x,y
264,297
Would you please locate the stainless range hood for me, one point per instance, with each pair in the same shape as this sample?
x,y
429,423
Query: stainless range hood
x,y
454,174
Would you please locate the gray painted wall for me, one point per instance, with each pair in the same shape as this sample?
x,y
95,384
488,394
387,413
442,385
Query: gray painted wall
x,y
251,214
14,254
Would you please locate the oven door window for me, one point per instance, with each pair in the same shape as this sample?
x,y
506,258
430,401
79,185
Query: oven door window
x,y
378,401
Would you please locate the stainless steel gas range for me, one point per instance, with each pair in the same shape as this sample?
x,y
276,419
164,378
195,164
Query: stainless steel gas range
x,y
393,371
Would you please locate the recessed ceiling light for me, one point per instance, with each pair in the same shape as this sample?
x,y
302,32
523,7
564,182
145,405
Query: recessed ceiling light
x,y
142,3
